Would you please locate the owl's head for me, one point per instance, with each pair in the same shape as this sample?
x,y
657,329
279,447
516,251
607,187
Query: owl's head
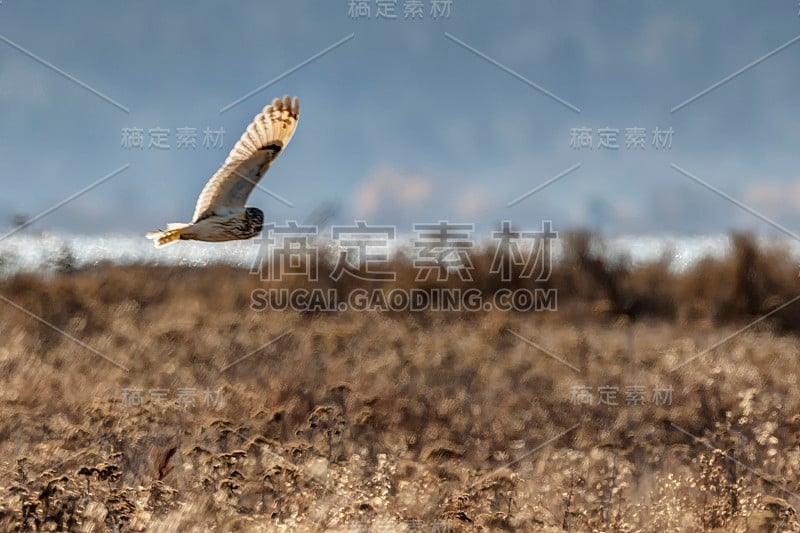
x,y
255,217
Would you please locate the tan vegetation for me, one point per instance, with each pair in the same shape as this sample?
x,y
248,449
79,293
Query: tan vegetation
x,y
162,404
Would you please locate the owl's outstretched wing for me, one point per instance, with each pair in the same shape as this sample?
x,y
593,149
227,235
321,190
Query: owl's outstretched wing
x,y
271,130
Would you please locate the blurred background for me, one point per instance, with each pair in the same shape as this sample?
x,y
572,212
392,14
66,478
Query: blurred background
x,y
660,139
415,112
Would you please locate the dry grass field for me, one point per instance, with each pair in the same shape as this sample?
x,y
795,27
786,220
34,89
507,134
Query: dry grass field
x,y
649,401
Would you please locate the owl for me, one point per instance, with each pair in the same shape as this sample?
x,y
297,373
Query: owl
x,y
221,213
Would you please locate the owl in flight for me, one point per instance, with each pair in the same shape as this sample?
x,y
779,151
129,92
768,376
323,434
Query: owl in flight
x,y
220,214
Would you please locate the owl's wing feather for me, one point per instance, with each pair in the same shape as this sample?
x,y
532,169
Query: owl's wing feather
x,y
269,133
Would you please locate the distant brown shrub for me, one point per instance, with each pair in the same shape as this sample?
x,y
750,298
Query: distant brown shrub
x,y
398,420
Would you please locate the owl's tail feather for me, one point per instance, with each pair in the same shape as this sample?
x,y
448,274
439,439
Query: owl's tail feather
x,y
164,238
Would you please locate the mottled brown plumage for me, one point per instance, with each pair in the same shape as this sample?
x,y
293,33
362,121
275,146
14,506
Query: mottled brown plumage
x,y
221,214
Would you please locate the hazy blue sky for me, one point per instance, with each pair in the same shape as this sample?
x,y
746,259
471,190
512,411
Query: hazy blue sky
x,y
402,124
